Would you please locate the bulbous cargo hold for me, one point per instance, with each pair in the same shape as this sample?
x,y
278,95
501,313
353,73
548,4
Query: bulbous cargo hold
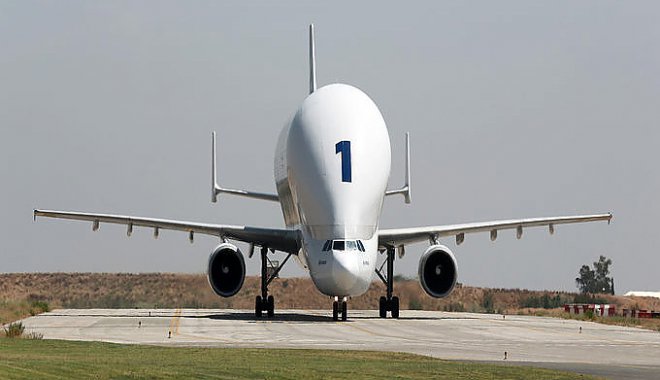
x,y
438,271
226,270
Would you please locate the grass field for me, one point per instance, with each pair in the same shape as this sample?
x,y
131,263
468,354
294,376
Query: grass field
x,y
51,359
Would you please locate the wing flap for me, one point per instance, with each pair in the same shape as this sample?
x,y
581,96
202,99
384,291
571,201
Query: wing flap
x,y
396,237
278,239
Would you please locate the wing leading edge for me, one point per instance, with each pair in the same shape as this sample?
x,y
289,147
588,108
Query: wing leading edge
x,y
278,239
402,236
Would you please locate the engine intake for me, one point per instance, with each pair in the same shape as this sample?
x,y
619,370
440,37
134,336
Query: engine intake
x,y
226,271
438,271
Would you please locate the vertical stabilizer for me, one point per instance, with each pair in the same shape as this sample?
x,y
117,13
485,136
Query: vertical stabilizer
x,y
312,60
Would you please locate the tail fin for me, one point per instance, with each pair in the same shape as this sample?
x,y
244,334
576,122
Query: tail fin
x,y
405,190
312,60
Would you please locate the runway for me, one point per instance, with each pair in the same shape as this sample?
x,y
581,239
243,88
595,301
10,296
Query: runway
x,y
611,351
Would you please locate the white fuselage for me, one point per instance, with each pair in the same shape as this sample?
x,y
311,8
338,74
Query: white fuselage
x,y
332,165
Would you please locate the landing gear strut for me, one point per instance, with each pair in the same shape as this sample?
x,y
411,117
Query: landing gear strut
x,y
339,308
264,302
388,303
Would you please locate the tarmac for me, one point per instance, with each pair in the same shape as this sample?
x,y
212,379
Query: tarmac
x,y
584,347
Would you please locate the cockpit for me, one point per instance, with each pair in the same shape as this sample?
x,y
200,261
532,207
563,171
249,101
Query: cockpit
x,y
343,245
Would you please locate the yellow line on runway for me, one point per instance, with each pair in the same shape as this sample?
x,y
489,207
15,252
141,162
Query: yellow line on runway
x,y
175,322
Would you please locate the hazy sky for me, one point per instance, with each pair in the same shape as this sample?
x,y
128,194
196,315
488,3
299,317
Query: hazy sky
x,y
515,109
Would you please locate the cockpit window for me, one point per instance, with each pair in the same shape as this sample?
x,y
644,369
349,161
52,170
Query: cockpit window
x,y
344,245
338,245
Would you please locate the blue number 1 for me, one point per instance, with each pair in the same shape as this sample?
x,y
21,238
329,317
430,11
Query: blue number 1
x,y
344,147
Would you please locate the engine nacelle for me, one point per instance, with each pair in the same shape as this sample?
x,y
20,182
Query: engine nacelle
x,y
226,271
438,271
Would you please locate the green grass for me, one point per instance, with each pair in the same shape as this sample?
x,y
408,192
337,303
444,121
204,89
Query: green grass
x,y
46,359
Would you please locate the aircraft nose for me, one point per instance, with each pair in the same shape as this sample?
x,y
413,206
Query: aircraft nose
x,y
345,272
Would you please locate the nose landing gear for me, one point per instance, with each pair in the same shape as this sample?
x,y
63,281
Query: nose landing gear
x,y
339,308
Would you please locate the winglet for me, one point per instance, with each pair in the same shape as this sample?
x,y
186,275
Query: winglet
x,y
406,186
405,190
312,60
214,182
216,189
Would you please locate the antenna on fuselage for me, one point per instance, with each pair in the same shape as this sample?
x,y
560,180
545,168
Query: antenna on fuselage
x,y
312,60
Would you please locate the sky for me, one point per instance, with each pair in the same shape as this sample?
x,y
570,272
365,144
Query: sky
x,y
515,109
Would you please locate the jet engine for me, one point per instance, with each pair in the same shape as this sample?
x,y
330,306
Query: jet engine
x,y
438,271
226,271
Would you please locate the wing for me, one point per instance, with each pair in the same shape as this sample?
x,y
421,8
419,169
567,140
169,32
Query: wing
x,y
277,239
401,236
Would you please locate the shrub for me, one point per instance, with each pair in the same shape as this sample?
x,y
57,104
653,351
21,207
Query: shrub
x,y
34,335
589,315
38,307
455,306
414,304
586,298
488,303
14,330
544,301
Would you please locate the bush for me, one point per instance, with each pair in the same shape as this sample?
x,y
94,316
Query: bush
x,y
38,307
487,303
34,335
414,304
455,306
14,330
586,298
544,301
589,315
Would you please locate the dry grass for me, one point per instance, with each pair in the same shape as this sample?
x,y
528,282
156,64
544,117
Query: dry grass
x,y
23,294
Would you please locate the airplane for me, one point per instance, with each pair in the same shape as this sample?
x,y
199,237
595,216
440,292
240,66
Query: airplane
x,y
332,167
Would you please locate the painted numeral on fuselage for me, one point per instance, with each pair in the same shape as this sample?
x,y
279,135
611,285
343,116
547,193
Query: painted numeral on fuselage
x,y
344,147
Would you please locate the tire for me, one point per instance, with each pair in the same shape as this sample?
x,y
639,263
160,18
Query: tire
x,y
335,311
344,311
270,305
382,309
395,307
258,307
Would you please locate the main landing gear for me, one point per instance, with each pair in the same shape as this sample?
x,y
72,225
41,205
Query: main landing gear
x,y
388,303
339,308
264,302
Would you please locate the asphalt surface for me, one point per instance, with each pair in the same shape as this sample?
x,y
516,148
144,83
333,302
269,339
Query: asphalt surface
x,y
609,351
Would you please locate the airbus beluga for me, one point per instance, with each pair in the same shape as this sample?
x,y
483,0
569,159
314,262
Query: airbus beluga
x,y
332,166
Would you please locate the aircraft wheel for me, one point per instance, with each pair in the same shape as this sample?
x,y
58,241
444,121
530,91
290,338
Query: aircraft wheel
x,y
395,307
344,311
270,306
335,311
382,309
258,307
